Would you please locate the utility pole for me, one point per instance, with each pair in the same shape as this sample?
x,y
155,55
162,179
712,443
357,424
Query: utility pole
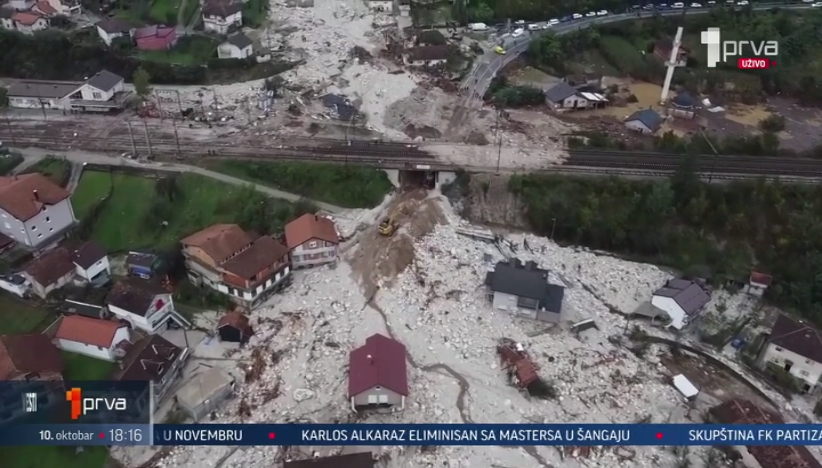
x,y
216,103
179,103
159,105
131,134
11,130
177,139
148,141
248,109
553,227
716,156
499,155
499,138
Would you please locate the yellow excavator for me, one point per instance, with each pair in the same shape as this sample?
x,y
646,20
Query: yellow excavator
x,y
389,225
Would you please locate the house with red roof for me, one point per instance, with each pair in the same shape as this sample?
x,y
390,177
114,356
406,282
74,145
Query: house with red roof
x,y
29,22
101,339
377,375
312,240
155,37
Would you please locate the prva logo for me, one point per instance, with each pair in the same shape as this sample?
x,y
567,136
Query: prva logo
x,y
80,405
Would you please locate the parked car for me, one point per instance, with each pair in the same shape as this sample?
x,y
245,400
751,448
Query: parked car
x,y
518,32
553,21
742,3
499,50
576,16
816,5
534,27
602,13
679,5
696,5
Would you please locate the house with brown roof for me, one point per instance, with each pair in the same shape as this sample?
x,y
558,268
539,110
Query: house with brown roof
x,y
313,240
377,374
100,339
351,460
33,359
221,16
794,346
427,56
29,22
50,271
91,263
245,266
144,305
739,411
235,327
34,211
153,359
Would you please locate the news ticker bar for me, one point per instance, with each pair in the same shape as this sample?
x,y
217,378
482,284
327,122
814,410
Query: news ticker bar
x,y
412,434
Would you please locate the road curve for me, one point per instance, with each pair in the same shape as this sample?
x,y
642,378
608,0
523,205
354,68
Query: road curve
x,y
486,68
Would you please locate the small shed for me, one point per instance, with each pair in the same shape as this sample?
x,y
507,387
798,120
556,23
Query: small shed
x,y
141,264
235,327
205,392
758,283
685,387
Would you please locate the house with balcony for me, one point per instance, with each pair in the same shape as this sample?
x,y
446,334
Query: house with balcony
x,y
221,16
794,347
243,265
144,305
313,240
153,359
34,211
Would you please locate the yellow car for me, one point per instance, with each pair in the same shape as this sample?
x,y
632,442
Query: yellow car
x,y
499,50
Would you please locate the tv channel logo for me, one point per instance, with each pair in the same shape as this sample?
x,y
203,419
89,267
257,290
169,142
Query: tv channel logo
x,y
30,402
722,51
81,405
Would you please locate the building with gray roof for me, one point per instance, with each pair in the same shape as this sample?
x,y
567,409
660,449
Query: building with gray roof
x,y
682,300
524,288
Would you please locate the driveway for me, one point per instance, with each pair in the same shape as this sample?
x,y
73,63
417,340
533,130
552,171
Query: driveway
x,y
487,66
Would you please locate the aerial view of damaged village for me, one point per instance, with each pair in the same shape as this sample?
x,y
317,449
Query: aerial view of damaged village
x,y
416,211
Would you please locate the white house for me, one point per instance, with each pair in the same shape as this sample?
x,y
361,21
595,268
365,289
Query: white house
x,y
220,16
563,96
102,86
50,271
144,306
5,18
102,92
100,339
34,211
15,284
29,22
647,121
238,46
91,263
682,300
381,5
795,347
427,56
112,28
758,283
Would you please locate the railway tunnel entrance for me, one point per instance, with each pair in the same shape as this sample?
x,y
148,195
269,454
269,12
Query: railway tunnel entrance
x,y
419,178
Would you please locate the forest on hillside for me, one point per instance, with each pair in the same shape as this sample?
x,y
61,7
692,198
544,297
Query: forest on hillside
x,y
720,231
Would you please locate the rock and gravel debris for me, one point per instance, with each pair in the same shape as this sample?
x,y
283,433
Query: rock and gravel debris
x,y
438,308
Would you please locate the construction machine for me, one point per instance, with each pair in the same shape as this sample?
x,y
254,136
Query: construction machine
x,y
389,225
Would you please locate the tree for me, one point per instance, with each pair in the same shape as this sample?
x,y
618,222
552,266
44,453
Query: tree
x,y
482,13
4,97
142,82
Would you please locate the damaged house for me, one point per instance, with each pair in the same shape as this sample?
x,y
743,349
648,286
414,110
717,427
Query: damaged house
x,y
340,106
524,289
682,300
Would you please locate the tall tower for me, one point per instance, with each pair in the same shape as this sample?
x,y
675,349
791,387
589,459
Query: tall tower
x,y
671,64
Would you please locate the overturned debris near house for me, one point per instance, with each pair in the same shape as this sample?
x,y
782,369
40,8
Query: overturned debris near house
x,y
521,370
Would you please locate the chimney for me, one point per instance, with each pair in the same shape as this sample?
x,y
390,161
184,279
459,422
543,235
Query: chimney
x,y
36,197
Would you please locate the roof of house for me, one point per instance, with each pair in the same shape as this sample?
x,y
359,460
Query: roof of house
x,y
27,18
91,331
310,226
222,8
560,92
50,266
114,25
25,195
687,294
684,100
6,13
739,411
240,41
143,259
153,31
236,320
134,296
149,360
263,253
104,80
648,117
81,308
351,460
43,89
433,52
88,254
528,281
219,241
21,354
46,8
797,336
381,361
760,278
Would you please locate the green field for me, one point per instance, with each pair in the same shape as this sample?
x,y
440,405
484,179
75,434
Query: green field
x,y
18,316
189,50
79,367
347,186
133,217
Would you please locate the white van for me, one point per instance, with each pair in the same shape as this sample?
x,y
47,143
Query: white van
x,y
577,16
518,32
478,27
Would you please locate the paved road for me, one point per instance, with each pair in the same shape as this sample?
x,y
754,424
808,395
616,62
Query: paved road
x,y
32,155
490,63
